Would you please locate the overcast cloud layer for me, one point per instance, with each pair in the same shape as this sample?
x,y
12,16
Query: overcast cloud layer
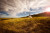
x,y
11,8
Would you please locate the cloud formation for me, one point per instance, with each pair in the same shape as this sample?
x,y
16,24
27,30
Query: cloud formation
x,y
13,7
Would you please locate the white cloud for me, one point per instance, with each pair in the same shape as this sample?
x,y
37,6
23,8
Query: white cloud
x,y
14,7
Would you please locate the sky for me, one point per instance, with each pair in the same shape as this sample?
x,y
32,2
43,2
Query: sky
x,y
22,8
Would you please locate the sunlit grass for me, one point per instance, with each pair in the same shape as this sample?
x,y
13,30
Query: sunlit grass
x,y
25,24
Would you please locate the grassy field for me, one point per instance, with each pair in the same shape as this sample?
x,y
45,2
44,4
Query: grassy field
x,y
25,25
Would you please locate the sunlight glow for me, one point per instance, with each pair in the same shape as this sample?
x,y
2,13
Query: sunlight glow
x,y
47,9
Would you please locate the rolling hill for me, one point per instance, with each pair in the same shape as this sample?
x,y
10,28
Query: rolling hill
x,y
44,14
36,24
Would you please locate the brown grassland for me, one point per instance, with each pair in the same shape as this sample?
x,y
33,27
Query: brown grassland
x,y
25,25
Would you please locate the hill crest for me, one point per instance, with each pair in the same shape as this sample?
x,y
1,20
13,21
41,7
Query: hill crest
x,y
44,14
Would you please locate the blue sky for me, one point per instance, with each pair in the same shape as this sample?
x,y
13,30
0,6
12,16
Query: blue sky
x,y
20,8
23,14
3,12
37,11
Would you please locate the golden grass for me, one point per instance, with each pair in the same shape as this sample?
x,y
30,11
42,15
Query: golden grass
x,y
26,25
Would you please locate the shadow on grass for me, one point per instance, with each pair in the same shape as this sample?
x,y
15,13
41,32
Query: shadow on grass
x,y
6,31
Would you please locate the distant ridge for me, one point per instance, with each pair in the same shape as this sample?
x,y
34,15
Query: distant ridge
x,y
44,14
